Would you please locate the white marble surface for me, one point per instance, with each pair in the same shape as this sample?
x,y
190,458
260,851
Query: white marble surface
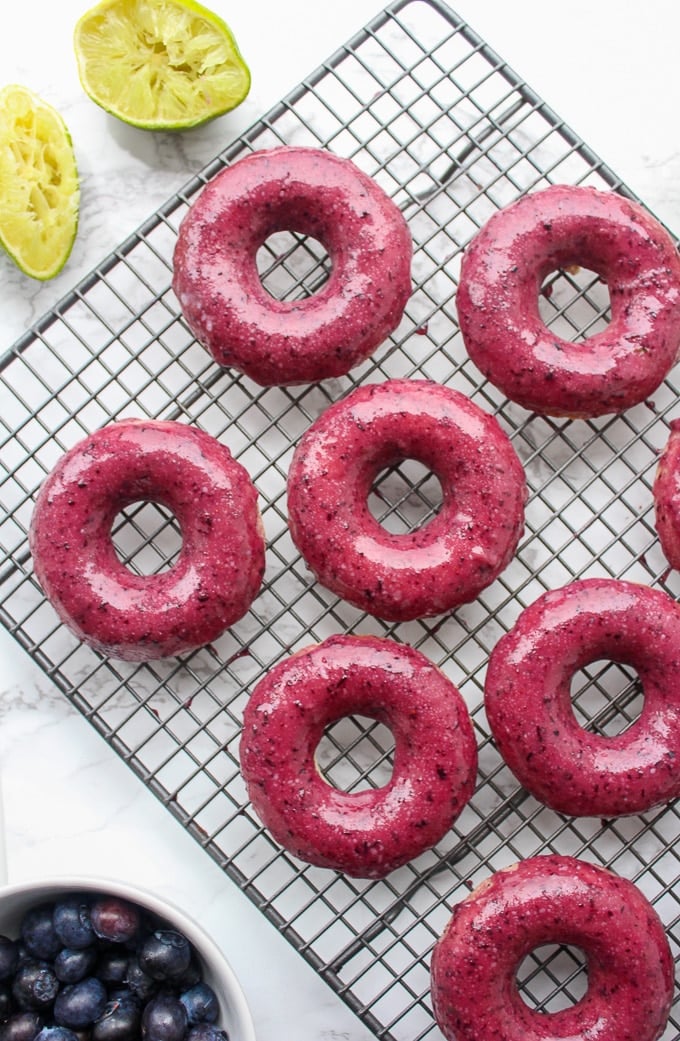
x,y
71,806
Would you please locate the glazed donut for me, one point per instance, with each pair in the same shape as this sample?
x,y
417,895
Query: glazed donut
x,y
221,563
314,193
545,900
448,560
528,699
497,301
666,494
365,834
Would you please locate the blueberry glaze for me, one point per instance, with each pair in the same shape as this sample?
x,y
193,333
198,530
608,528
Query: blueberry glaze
x,y
312,192
366,833
667,497
497,301
446,562
528,698
545,900
220,567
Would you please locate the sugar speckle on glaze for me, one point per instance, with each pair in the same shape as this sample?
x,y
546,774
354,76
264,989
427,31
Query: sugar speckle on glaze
x,y
220,567
365,834
497,301
553,900
312,192
447,561
529,709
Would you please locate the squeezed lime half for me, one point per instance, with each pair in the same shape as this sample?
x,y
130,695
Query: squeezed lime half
x,y
39,188
159,64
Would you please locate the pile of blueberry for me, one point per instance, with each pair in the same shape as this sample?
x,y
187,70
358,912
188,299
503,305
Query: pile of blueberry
x,y
94,967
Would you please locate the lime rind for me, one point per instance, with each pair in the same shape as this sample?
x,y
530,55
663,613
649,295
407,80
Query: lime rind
x,y
159,64
39,187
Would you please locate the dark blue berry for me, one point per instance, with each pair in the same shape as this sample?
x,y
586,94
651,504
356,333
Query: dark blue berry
x,y
70,966
206,1032
9,957
72,923
38,932
98,968
201,1004
190,977
112,965
165,955
21,1026
139,982
114,919
120,1021
79,1004
56,1033
22,954
164,1019
123,993
6,1003
35,986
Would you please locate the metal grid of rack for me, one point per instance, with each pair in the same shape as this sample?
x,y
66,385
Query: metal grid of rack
x,y
423,105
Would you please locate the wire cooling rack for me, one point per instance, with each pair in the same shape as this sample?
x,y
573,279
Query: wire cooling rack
x,y
423,105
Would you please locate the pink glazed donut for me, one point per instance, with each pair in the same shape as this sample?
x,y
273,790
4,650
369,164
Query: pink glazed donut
x,y
365,834
451,558
666,494
552,900
528,698
314,193
221,563
497,301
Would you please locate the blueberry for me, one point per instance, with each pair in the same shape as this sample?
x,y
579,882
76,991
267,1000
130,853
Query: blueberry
x,y
206,1032
35,986
114,919
165,955
22,1026
98,968
6,1003
56,1033
120,1020
72,923
201,1004
164,1019
9,957
139,982
38,932
78,1004
112,965
71,966
121,992
190,977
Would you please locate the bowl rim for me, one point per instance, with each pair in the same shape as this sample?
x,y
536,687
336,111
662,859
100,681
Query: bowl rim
x,y
44,888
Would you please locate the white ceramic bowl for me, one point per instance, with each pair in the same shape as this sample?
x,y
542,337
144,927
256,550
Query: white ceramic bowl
x,y
235,1015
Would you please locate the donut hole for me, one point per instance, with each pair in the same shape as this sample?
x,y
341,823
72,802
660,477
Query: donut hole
x,y
404,497
574,303
146,537
553,977
356,753
292,266
606,697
